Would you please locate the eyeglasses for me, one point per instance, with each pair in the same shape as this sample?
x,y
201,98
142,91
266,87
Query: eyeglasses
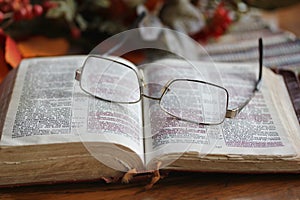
x,y
195,101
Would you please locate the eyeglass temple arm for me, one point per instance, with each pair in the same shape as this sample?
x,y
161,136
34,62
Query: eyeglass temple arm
x,y
233,112
260,49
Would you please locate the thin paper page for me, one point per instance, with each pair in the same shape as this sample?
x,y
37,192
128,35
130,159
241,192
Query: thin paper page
x,y
257,130
49,107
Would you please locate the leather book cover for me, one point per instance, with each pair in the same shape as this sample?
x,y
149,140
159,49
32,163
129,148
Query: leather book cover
x,y
6,89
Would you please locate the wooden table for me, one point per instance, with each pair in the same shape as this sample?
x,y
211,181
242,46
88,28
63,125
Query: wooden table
x,y
175,186
285,18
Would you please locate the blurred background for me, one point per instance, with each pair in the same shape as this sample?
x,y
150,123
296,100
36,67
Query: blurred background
x,y
32,28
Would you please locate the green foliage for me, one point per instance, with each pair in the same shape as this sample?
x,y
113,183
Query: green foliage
x,y
65,9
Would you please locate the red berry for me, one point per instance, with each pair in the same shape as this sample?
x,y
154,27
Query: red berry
x,y
48,5
29,11
26,2
75,32
221,11
218,32
1,16
6,8
37,10
20,14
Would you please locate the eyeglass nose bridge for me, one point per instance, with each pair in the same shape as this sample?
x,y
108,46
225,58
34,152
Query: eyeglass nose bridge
x,y
154,87
145,86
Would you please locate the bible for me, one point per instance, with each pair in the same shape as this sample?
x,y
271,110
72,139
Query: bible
x,y
52,131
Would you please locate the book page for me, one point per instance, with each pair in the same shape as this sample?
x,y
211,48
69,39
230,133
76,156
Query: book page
x,y
48,107
256,131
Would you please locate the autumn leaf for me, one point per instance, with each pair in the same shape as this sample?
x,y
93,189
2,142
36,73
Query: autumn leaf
x,y
3,65
12,53
43,46
4,68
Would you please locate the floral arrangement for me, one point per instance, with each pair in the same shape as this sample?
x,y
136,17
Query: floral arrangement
x,y
31,28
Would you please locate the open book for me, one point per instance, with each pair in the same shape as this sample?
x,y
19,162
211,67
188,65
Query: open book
x,y
54,132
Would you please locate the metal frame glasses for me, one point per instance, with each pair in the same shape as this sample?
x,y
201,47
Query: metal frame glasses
x,y
166,94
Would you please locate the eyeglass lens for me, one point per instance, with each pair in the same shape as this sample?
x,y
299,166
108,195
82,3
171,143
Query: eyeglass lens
x,y
195,101
110,80
189,100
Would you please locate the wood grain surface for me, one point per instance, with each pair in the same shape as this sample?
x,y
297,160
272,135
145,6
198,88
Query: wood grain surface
x,y
175,186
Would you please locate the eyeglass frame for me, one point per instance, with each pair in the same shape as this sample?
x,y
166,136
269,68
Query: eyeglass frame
x,y
230,113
